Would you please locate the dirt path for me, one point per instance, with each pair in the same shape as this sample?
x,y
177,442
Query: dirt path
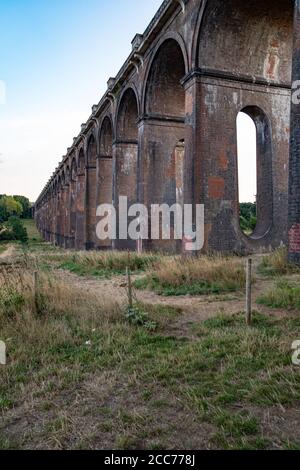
x,y
195,308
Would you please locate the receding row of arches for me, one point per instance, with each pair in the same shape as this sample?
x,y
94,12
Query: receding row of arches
x,y
141,152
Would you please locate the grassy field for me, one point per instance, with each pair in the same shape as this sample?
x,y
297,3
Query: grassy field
x,y
285,294
85,373
2,247
277,264
106,264
32,231
176,276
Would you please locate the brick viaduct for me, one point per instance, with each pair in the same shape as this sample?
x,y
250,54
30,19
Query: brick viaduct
x,y
165,130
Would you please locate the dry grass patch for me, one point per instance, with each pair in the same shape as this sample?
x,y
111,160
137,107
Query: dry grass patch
x,y
102,264
43,327
277,264
195,276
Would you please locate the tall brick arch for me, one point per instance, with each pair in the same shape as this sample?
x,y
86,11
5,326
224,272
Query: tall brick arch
x,y
91,188
80,235
254,78
72,201
105,168
125,158
164,126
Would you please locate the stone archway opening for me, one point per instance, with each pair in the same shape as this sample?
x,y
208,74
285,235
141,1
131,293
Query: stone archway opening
x,y
125,160
73,195
80,202
255,172
247,171
105,172
91,184
165,111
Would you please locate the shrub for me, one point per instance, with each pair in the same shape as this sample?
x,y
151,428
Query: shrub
x,y
14,230
135,316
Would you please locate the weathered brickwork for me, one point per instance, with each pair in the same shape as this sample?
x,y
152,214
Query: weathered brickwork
x,y
165,130
294,168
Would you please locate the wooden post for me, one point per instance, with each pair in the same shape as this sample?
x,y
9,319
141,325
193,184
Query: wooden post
x,y
35,288
249,292
130,300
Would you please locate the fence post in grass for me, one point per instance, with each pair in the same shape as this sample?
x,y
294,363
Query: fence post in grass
x,y
249,292
130,300
35,288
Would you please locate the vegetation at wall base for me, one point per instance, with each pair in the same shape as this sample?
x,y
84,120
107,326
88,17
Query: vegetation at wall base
x,y
285,294
276,264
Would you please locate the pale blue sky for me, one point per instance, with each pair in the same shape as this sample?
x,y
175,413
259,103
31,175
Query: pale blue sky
x,y
55,59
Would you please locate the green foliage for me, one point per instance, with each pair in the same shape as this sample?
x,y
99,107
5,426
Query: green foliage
x,y
194,288
26,206
14,206
14,230
248,217
105,265
285,295
11,301
9,207
135,316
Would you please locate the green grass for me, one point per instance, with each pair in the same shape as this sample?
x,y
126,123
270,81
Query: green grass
x,y
203,275
227,368
2,248
285,295
106,265
81,364
194,289
276,264
290,445
33,234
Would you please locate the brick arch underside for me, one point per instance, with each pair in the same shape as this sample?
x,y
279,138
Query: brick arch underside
x,y
165,132
105,171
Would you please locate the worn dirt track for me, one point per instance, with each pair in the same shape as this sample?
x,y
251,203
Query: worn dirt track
x,y
194,308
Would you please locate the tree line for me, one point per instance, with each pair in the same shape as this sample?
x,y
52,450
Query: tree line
x,y
12,210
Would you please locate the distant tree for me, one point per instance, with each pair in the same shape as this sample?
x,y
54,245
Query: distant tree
x,y
13,229
9,207
26,205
